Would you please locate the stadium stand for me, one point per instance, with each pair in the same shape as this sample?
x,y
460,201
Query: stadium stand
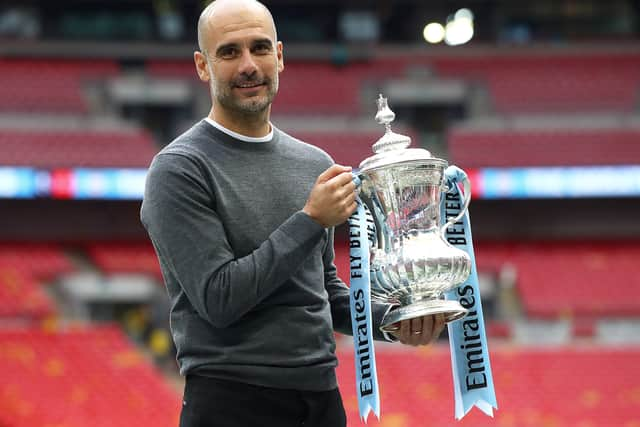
x,y
171,68
25,269
563,386
43,261
80,377
346,147
81,148
22,297
124,257
475,148
557,360
546,83
570,279
580,282
516,83
53,86
327,89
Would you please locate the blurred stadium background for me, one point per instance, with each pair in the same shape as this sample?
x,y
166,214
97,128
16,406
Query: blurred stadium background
x,y
539,101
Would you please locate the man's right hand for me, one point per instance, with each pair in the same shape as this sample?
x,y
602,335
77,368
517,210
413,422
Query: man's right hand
x,y
333,197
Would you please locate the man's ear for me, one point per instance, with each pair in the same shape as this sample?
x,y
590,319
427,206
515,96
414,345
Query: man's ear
x,y
201,66
279,53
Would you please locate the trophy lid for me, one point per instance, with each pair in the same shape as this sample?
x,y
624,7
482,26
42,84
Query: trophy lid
x,y
392,148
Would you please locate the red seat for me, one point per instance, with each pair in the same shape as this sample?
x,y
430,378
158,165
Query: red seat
x,y
577,279
477,148
83,377
125,258
52,86
318,88
345,147
543,83
40,260
516,83
534,387
23,269
22,297
53,148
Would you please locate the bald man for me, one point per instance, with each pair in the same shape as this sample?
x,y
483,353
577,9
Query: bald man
x,y
241,216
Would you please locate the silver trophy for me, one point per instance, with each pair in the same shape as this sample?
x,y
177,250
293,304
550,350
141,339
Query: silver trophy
x,y
412,264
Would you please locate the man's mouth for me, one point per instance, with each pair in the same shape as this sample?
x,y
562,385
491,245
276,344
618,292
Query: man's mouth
x,y
249,85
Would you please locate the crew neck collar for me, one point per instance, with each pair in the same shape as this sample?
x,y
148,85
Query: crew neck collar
x,y
268,137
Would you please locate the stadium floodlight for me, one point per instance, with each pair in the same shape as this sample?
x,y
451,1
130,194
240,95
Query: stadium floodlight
x,y
433,32
459,30
463,14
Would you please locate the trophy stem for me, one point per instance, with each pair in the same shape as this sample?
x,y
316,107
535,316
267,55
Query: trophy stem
x,y
452,310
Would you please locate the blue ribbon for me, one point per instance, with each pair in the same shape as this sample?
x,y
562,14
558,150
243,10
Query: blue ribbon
x,y
361,323
472,378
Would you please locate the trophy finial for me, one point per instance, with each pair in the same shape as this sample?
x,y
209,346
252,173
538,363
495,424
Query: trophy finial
x,y
390,140
384,116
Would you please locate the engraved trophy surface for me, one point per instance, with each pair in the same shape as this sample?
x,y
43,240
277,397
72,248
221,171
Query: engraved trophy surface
x,y
412,264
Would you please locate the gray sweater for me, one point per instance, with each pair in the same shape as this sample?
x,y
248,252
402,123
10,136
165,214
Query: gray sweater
x,y
253,287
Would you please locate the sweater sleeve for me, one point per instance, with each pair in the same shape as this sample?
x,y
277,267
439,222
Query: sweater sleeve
x,y
339,298
178,212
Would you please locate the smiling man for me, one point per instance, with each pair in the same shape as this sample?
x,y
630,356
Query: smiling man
x,y
241,216
241,58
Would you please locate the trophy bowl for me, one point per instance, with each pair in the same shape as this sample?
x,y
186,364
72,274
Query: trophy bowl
x,y
412,265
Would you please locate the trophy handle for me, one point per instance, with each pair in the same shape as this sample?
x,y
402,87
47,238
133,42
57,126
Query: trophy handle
x,y
462,178
356,179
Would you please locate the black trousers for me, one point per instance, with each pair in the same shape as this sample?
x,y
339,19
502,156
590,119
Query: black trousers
x,y
210,402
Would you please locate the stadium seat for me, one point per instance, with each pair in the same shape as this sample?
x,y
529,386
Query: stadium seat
x,y
318,88
346,147
49,86
24,270
551,83
515,83
22,297
123,257
81,377
54,148
558,280
571,279
551,147
43,261
534,387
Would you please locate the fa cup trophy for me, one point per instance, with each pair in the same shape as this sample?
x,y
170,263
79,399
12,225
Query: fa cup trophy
x,y
411,263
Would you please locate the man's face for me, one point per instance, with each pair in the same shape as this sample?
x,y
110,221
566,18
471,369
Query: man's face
x,y
244,60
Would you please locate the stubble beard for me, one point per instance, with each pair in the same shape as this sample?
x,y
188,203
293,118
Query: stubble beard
x,y
223,94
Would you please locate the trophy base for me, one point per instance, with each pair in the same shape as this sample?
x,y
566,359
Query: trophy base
x,y
452,310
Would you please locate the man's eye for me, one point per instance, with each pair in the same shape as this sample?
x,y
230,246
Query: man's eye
x,y
229,52
262,48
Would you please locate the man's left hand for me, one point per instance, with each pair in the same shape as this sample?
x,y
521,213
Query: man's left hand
x,y
421,330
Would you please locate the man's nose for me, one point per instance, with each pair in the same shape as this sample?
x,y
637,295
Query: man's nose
x,y
247,63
